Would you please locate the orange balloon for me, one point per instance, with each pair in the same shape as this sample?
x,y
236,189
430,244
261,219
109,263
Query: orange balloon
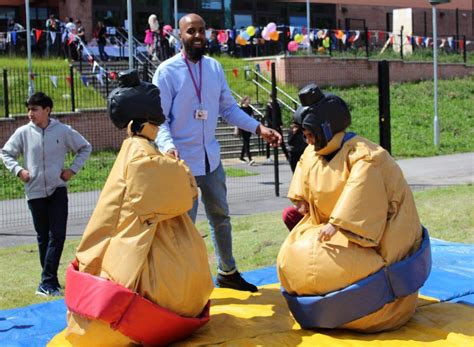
x,y
274,35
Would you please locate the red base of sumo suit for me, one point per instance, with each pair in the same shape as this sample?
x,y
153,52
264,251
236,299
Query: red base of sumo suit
x,y
126,311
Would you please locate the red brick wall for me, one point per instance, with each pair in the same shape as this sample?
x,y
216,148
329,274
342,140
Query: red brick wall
x,y
95,126
326,71
78,9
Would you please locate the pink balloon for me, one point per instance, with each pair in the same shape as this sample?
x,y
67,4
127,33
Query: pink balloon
x,y
168,28
292,46
271,27
222,37
265,34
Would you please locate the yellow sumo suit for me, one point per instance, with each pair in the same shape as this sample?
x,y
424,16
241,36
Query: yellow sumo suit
x,y
140,235
356,186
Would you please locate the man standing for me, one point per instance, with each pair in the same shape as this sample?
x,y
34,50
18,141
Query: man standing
x,y
194,93
43,143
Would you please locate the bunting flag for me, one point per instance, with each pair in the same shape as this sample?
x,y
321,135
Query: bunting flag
x,y
85,80
13,37
419,40
355,37
451,42
54,80
369,35
53,36
339,34
408,39
70,39
345,36
461,44
292,30
311,35
268,63
443,41
100,78
391,39
69,80
257,67
426,41
235,72
113,75
94,66
381,36
90,59
38,33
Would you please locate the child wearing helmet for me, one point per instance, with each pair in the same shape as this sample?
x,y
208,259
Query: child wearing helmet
x,y
353,228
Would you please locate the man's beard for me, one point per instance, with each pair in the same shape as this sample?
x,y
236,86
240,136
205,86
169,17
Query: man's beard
x,y
194,53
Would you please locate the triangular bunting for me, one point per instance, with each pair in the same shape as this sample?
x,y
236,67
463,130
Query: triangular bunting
x,y
100,78
85,80
38,33
54,80
53,36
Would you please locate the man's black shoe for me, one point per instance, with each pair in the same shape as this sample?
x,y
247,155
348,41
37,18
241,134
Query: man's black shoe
x,y
235,281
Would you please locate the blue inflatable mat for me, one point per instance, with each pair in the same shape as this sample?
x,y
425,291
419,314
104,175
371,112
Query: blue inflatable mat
x,y
451,279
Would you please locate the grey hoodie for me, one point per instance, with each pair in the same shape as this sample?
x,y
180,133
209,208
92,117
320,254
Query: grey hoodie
x,y
44,152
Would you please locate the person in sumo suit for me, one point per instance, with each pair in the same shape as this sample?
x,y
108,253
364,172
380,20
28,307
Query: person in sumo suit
x,y
357,253
141,274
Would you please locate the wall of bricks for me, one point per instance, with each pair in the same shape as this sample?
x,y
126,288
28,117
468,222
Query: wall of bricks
x,y
78,10
95,126
338,72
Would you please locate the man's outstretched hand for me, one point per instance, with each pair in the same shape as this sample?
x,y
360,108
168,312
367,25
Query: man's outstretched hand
x,y
271,136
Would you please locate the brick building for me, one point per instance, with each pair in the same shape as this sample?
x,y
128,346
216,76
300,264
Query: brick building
x,y
455,18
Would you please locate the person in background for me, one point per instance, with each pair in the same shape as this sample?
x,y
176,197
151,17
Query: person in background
x,y
81,35
268,118
214,47
245,135
296,144
44,143
101,37
14,26
194,93
52,26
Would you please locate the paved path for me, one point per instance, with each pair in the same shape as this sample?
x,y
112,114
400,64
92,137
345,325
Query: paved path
x,y
247,195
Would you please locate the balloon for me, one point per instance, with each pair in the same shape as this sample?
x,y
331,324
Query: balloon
x,y
240,41
265,34
292,46
250,30
298,38
222,37
326,42
168,29
274,35
271,27
245,35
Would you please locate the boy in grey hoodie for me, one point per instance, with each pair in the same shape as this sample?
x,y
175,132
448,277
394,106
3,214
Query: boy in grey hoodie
x,y
44,143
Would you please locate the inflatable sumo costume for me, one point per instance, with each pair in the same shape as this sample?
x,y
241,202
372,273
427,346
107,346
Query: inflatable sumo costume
x,y
367,275
141,273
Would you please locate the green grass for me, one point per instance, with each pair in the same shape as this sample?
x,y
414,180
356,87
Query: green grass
x,y
446,212
91,177
411,112
234,172
43,69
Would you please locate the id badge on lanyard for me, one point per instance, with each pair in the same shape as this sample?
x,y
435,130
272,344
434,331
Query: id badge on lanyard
x,y
201,113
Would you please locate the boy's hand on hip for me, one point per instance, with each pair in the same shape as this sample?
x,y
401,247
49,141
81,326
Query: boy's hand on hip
x,y
24,175
66,174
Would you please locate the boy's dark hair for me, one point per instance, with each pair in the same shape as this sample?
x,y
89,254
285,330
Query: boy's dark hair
x,y
39,99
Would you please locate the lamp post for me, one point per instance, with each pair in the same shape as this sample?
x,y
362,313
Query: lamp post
x,y
308,22
31,87
435,69
130,34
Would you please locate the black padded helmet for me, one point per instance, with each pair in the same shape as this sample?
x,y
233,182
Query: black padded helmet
x,y
134,100
322,114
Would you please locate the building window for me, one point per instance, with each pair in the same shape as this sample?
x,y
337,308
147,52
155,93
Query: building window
x,y
211,4
242,5
242,20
